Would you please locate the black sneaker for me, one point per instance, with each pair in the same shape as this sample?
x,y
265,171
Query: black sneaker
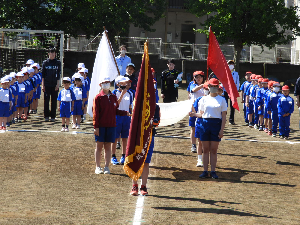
x,y
204,175
213,175
46,119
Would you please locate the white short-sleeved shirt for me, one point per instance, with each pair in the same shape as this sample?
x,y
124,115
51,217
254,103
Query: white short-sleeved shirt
x,y
212,106
125,102
21,87
197,94
66,95
4,95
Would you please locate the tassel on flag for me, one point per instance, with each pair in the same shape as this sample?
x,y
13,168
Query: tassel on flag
x,y
217,63
140,133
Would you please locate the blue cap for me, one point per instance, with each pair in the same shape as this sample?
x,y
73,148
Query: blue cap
x,y
131,64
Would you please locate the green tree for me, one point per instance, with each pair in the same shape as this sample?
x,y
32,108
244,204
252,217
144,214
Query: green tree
x,y
77,17
247,22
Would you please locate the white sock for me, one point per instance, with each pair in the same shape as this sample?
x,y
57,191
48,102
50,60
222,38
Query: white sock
x,y
200,157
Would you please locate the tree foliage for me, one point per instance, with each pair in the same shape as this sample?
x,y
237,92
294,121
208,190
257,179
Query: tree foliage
x,y
81,16
247,22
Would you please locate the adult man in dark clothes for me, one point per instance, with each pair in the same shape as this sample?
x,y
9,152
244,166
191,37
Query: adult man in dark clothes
x,y
51,70
169,92
297,92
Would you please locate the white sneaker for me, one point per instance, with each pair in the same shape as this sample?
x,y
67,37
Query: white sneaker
x,y
84,117
74,126
193,149
62,129
78,126
255,126
98,170
106,170
66,129
199,163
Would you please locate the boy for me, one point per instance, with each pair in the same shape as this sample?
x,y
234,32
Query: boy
x,y
250,100
261,98
105,109
254,95
243,89
123,122
81,97
285,109
66,99
145,174
21,97
86,83
272,107
130,74
5,103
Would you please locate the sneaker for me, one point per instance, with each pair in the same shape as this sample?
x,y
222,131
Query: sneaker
x,y
199,163
106,170
7,124
24,118
232,123
84,117
78,126
118,145
74,126
52,119
13,121
62,129
261,128
246,124
281,136
19,119
66,129
194,149
213,175
98,170
255,126
270,132
46,119
250,125
134,190
274,135
114,161
204,174
4,128
286,138
122,160
266,130
0,127
143,190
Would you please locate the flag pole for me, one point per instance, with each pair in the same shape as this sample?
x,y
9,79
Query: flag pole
x,y
111,50
207,68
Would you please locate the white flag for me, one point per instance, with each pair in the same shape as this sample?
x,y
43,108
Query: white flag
x,y
104,66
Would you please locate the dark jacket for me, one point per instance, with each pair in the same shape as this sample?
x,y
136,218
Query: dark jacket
x,y
51,70
297,87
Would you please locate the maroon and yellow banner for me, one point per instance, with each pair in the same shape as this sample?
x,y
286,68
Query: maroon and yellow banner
x,y
140,133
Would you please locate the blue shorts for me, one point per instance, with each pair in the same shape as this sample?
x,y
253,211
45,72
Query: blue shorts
x,y
250,109
4,109
77,108
65,109
210,129
197,129
150,151
123,126
38,94
21,100
106,134
192,121
34,96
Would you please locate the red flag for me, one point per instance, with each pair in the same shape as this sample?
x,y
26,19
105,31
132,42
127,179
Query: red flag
x,y
140,133
217,63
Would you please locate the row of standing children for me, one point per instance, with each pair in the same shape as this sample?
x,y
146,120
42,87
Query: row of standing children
x,y
19,94
265,107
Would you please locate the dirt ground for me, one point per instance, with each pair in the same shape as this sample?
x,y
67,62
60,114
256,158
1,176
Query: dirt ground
x,y
47,177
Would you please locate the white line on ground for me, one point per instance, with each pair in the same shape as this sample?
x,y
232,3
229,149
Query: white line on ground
x,y
137,219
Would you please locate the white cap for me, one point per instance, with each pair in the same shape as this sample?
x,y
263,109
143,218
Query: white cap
x,y
67,79
25,70
36,65
20,74
104,80
12,74
30,70
4,80
81,65
8,77
83,70
77,75
29,62
121,79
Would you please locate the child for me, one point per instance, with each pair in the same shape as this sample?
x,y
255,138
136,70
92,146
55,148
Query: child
x,y
272,107
243,89
66,99
145,174
21,97
5,103
86,83
285,109
250,100
81,97
268,120
123,122
105,109
254,95
37,94
259,104
261,99
195,90
197,125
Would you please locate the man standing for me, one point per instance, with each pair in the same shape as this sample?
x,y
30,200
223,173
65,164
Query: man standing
x,y
51,70
236,79
169,91
122,60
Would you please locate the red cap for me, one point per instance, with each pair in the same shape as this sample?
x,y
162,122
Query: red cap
x,y
258,76
270,83
213,81
201,73
205,85
260,80
152,70
220,87
265,80
276,84
252,77
285,88
248,72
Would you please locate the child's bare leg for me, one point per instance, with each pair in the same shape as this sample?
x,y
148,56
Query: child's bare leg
x,y
124,145
107,153
99,146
